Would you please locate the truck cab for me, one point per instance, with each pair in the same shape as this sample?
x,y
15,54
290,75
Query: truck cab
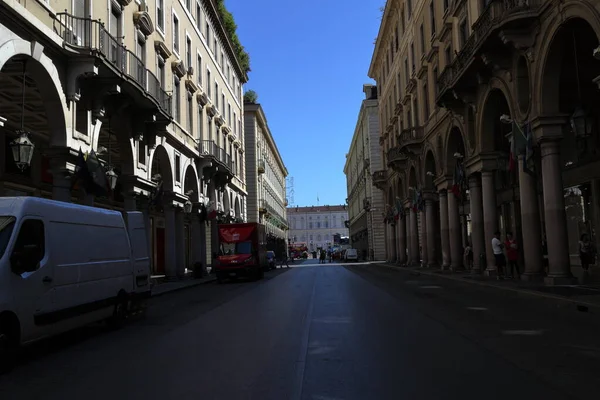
x,y
242,251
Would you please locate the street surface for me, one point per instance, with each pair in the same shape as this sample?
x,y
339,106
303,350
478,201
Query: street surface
x,y
326,332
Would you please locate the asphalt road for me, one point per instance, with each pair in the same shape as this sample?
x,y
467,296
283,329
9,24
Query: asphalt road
x,y
327,332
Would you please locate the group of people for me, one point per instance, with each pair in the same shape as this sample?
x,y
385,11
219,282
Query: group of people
x,y
506,255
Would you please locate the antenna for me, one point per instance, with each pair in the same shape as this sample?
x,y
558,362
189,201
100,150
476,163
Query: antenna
x,y
289,187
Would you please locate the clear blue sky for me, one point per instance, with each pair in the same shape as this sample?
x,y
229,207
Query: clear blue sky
x,y
309,60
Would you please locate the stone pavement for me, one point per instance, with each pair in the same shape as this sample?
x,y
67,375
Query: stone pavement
x,y
580,295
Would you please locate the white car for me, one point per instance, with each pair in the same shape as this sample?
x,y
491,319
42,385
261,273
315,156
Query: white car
x,y
351,255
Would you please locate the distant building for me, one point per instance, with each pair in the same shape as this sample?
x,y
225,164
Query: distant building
x,y
365,203
316,225
265,174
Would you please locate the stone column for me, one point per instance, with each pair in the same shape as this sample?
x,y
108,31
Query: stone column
x,y
477,235
444,229
170,242
454,234
490,218
431,233
61,181
401,227
415,259
559,268
423,237
531,225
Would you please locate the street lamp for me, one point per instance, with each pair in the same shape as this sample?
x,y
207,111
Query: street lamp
x,y
112,178
22,150
187,207
581,123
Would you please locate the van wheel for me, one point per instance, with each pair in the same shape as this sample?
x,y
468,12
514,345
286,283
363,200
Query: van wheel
x,y
8,348
119,313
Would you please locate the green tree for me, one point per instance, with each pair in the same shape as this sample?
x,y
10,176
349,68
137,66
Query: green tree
x,y
231,29
250,97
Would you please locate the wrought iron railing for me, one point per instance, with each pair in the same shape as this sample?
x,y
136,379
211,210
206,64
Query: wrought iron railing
x,y
379,176
496,13
411,135
396,154
91,35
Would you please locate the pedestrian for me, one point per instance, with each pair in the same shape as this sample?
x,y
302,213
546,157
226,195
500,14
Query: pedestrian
x,y
284,259
512,253
469,256
498,248
587,255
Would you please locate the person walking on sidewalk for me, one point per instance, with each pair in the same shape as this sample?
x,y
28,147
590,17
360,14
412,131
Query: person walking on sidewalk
x,y
468,256
498,249
512,253
587,255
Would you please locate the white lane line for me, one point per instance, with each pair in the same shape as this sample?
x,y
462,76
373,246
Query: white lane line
x,y
532,332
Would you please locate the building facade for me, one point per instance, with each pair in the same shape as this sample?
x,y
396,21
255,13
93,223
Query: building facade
x,y
489,115
316,225
365,202
152,88
265,173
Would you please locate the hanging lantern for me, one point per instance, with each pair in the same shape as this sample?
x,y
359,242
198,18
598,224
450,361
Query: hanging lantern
x,y
112,178
187,207
581,123
22,150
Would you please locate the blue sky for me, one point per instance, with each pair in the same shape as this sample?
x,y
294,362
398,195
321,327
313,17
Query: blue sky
x,y
309,60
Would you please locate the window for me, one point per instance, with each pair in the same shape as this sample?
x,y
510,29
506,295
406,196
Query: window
x,y
416,112
406,70
310,226
177,168
435,78
209,93
175,33
223,104
188,52
190,107
216,95
235,123
160,15
177,94
412,56
116,32
229,114
426,100
188,5
222,63
318,238
140,52
141,152
446,4
311,236
209,129
422,37
30,247
161,73
199,69
448,54
215,45
199,17
402,20
464,33
207,32
409,7
432,18
200,123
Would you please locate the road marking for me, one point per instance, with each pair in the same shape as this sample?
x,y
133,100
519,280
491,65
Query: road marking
x,y
524,332
430,287
477,308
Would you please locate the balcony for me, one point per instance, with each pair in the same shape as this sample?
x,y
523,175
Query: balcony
x,y
88,37
397,158
222,168
411,139
380,179
261,166
499,15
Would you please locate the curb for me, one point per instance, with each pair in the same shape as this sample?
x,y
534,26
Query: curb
x,y
176,289
520,291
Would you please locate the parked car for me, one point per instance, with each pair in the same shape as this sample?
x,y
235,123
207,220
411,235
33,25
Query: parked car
x,y
49,286
271,260
351,255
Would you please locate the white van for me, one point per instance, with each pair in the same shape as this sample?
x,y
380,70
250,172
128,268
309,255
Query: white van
x,y
64,265
351,255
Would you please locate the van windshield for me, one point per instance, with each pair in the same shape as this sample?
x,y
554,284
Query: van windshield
x,y
7,224
230,249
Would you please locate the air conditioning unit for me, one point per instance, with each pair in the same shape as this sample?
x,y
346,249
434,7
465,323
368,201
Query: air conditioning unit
x,y
190,71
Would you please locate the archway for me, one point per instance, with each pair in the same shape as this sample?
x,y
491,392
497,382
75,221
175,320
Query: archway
x,y
190,184
455,147
412,182
42,113
162,175
567,88
160,170
400,190
430,171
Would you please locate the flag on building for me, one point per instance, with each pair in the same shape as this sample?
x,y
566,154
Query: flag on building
x,y
458,181
400,208
529,162
212,209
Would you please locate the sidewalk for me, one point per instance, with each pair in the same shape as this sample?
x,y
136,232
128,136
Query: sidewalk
x,y
580,295
159,289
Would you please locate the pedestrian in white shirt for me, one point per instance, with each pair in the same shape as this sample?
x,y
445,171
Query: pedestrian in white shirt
x,y
498,248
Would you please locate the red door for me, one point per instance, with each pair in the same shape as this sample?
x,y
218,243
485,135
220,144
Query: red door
x,y
160,251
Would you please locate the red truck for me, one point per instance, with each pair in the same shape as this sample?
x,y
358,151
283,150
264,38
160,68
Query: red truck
x,y
242,251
